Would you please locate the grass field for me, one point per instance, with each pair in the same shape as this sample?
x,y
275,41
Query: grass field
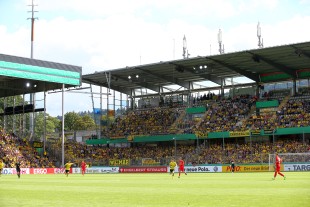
x,y
126,190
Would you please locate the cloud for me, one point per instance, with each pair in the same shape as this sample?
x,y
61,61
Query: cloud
x,y
102,35
16,43
287,32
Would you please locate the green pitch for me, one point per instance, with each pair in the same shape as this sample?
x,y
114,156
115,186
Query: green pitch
x,y
127,190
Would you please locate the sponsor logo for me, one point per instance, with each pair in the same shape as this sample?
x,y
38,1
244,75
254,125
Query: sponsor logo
x,y
39,171
119,162
59,170
144,170
7,171
10,171
103,170
297,167
200,169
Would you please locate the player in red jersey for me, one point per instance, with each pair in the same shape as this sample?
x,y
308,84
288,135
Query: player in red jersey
x,y
181,167
83,167
278,167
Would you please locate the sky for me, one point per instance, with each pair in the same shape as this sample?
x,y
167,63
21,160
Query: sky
x,y
102,35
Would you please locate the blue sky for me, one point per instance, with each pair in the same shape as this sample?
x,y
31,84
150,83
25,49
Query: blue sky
x,y
100,34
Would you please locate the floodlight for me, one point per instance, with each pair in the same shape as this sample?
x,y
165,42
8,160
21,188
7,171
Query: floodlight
x,y
259,30
219,37
184,42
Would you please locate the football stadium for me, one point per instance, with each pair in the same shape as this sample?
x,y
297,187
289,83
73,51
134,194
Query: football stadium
x,y
159,136
128,155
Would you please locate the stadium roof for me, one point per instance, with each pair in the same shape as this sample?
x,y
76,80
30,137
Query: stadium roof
x,y
16,72
263,65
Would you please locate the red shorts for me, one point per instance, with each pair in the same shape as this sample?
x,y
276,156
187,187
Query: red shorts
x,y
278,167
181,168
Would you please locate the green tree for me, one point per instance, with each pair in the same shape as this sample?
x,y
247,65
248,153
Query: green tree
x,y
51,124
86,123
57,123
72,121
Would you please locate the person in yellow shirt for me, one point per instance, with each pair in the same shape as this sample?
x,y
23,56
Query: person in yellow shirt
x,y
67,167
1,167
172,166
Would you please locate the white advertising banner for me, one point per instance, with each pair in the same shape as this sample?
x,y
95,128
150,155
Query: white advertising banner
x,y
297,167
10,171
97,170
200,169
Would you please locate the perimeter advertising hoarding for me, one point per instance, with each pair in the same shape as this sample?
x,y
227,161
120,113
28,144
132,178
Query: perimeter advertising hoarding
x,y
239,134
97,170
10,171
248,168
200,169
159,169
34,171
297,167
102,170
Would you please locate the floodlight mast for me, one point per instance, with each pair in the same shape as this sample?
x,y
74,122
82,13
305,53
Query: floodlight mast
x,y
219,38
259,35
32,95
32,25
185,51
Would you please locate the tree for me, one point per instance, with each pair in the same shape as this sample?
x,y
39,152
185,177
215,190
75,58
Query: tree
x,y
56,122
72,121
51,124
87,123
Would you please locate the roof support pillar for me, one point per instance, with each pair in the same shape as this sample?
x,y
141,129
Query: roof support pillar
x,y
132,100
5,116
258,91
222,87
189,95
294,87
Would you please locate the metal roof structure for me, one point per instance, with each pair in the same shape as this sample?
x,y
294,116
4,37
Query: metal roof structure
x,y
41,75
273,64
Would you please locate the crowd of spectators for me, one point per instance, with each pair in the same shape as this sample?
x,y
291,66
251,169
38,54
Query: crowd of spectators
x,y
100,155
203,98
257,152
296,113
14,149
151,121
223,114
215,153
226,115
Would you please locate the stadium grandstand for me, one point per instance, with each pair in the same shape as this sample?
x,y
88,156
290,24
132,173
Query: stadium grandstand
x,y
168,110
